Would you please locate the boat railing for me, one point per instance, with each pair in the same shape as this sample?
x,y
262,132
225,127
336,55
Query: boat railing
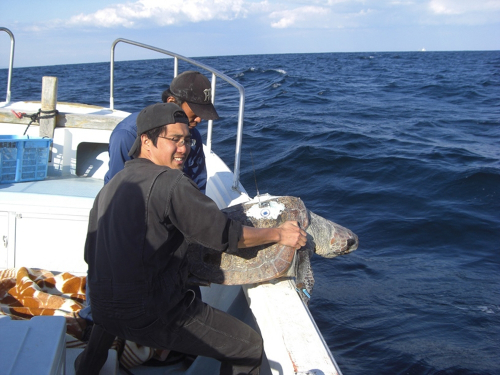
x,y
215,73
11,62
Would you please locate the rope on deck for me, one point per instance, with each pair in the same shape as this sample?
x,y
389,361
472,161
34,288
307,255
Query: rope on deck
x,y
35,117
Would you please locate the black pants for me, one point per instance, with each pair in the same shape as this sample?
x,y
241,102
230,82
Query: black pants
x,y
199,330
86,312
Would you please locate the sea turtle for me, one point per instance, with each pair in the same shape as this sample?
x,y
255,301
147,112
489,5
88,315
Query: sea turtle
x,y
258,264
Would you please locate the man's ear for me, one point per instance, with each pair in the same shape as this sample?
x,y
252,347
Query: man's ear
x,y
145,142
170,99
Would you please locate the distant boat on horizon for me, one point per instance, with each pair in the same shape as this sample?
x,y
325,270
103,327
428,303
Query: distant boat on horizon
x,y
422,50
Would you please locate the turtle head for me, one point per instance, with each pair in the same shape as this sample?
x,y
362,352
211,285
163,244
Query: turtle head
x,y
328,238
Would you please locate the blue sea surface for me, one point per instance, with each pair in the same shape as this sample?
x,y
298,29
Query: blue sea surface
x,y
402,148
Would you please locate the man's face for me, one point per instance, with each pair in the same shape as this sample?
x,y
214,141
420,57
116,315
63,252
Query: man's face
x,y
173,146
193,118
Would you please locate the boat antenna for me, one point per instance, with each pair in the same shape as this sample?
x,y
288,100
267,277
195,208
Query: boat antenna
x,y
255,178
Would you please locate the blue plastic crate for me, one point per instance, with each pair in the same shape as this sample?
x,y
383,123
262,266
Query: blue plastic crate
x,y
23,158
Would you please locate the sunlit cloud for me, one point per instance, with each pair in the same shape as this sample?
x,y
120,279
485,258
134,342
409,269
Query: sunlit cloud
x,y
458,7
282,14
161,13
307,16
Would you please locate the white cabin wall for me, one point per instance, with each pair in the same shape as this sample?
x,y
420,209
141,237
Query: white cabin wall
x,y
89,145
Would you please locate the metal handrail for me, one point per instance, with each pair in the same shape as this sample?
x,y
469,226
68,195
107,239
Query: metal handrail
x,y
215,74
11,63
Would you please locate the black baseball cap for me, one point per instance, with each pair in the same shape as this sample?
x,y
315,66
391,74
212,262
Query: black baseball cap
x,y
195,89
154,116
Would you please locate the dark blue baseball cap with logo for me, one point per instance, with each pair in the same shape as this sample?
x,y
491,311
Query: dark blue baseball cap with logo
x,y
195,89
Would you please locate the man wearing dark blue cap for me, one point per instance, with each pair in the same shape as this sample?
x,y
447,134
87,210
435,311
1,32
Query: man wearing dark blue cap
x,y
136,250
192,92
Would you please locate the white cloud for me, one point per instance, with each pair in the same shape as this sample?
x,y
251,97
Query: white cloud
x,y
108,17
458,7
307,16
281,14
334,2
161,13
463,12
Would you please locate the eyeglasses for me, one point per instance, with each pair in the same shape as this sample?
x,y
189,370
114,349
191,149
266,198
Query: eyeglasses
x,y
181,141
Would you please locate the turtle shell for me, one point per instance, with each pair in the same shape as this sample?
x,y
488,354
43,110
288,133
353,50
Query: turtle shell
x,y
255,264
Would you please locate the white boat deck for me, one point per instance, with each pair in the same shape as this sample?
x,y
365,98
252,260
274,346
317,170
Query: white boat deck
x,y
60,187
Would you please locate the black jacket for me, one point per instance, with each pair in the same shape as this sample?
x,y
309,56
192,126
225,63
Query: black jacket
x,y
136,244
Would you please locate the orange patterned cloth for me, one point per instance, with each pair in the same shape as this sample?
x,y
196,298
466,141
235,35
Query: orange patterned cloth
x,y
28,292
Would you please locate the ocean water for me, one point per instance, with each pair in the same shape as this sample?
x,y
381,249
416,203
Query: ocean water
x,y
402,148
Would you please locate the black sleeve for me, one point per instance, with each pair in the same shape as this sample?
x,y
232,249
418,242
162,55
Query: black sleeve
x,y
200,220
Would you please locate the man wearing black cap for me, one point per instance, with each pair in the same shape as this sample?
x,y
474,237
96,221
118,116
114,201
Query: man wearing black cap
x,y
136,248
192,92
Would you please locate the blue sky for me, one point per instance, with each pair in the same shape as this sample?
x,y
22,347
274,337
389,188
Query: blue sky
x,y
79,31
